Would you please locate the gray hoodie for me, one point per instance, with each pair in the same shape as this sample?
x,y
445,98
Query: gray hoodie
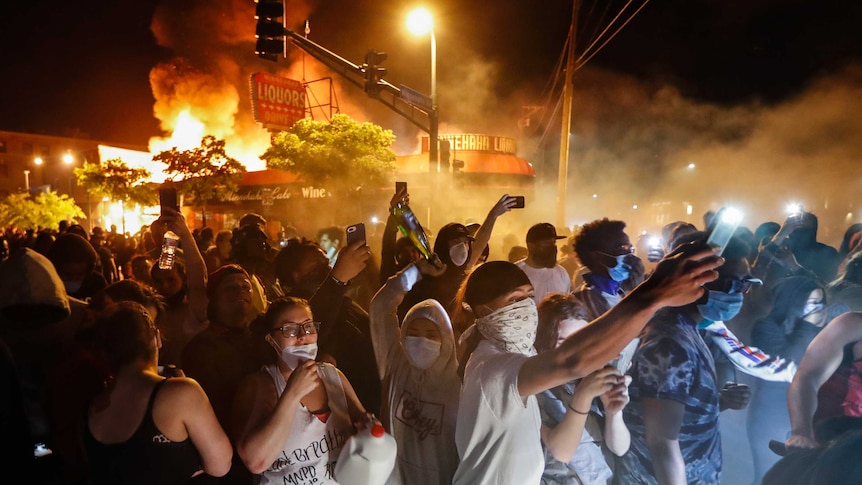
x,y
421,406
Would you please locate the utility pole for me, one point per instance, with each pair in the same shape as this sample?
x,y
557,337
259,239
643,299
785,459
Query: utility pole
x,y
563,174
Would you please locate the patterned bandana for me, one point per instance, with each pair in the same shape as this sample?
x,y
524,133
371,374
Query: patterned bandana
x,y
513,327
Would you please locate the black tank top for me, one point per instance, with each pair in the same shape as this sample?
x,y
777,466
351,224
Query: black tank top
x,y
148,457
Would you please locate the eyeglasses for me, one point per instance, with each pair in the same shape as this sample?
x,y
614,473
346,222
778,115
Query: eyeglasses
x,y
622,250
294,330
733,285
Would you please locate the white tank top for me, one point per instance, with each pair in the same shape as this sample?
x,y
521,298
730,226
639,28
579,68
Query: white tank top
x,y
312,447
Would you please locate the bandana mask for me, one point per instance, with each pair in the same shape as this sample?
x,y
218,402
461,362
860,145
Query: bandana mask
x,y
513,327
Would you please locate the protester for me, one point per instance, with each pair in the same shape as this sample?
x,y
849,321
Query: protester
x,y
606,251
828,383
75,261
144,428
417,358
798,314
498,425
303,271
459,252
675,399
577,432
541,266
292,417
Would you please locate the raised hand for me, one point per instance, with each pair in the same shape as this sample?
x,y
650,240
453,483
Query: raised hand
x,y
351,261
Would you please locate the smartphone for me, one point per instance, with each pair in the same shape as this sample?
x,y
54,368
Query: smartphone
x,y
624,360
723,227
399,186
355,232
168,198
519,202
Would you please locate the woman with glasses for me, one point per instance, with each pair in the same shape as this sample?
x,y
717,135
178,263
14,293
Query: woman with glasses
x,y
144,428
798,314
292,418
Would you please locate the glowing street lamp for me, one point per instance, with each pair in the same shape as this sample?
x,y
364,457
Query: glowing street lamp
x,y
38,161
68,158
420,22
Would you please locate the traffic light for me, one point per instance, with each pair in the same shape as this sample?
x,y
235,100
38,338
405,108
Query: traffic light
x,y
270,29
444,156
373,71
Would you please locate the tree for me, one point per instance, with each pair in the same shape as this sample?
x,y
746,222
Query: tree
x,y
207,172
46,210
342,155
117,181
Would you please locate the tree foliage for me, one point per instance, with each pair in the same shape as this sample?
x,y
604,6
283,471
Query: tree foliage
x,y
205,172
117,181
342,154
45,210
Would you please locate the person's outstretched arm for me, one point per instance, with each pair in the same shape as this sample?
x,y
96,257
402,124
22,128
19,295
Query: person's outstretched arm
x,y
483,235
678,280
196,272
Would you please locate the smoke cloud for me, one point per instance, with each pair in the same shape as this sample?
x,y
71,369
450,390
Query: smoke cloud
x,y
632,140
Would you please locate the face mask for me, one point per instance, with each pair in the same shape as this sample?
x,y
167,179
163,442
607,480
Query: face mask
x,y
293,356
620,272
547,257
459,253
72,286
421,351
513,327
721,306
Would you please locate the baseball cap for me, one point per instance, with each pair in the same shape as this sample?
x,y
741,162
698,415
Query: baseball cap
x,y
542,231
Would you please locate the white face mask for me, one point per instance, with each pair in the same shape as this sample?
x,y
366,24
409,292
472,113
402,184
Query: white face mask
x,y
458,254
421,351
513,327
293,356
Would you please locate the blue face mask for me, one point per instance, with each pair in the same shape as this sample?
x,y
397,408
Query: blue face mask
x,y
721,306
620,272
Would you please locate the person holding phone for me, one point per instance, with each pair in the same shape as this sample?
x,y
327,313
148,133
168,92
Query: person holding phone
x,y
576,430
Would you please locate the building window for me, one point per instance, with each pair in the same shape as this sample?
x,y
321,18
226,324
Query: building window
x,y
2,146
4,170
45,150
27,148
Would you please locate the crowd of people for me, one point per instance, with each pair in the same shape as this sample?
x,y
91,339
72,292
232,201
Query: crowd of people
x,y
254,361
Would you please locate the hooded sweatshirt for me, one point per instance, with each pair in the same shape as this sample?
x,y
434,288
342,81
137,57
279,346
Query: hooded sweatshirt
x,y
35,324
421,406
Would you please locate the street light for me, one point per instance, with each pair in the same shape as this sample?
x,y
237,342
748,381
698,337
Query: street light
x,y
420,22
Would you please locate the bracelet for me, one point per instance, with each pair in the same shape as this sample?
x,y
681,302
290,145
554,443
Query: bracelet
x,y
576,411
339,282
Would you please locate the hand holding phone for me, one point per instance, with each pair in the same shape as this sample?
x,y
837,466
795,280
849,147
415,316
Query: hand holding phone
x,y
723,228
355,232
519,202
624,360
168,198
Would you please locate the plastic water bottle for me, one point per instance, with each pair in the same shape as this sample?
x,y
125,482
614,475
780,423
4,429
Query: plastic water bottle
x,y
367,458
169,249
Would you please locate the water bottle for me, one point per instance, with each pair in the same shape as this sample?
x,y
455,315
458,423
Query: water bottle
x,y
367,457
410,227
169,249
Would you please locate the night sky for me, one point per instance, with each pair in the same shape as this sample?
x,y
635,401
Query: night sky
x,y
83,66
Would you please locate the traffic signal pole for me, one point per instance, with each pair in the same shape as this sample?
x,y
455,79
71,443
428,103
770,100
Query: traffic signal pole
x,y
272,38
